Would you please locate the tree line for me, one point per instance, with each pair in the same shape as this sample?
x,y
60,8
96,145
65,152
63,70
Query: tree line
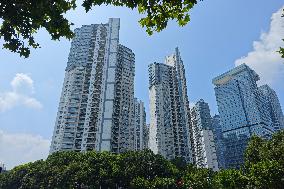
x,y
263,169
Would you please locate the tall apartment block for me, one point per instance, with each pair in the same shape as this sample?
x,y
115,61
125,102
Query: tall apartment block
x,y
274,107
203,138
141,130
242,112
170,128
96,105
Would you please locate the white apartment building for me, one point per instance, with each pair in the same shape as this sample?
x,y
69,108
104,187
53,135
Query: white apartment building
x,y
96,105
170,128
204,144
141,130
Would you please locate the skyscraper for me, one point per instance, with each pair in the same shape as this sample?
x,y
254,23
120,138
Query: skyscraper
x,y
141,130
203,138
272,102
96,105
242,112
170,128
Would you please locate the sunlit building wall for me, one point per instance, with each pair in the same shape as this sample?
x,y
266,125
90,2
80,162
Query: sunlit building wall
x,y
96,105
141,130
203,138
170,128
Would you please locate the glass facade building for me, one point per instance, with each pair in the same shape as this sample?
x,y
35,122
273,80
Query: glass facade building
x,y
242,112
272,102
170,128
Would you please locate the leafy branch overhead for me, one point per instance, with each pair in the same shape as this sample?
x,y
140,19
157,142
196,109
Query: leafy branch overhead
x,y
22,19
281,50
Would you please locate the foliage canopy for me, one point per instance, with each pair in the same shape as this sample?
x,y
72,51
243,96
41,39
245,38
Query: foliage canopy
x,y
264,168
22,19
281,50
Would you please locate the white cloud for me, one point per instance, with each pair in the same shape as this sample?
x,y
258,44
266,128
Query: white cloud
x,y
19,148
264,59
22,90
32,103
22,83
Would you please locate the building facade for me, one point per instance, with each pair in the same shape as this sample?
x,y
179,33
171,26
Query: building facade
x,y
272,102
96,105
170,128
242,112
218,138
203,137
141,130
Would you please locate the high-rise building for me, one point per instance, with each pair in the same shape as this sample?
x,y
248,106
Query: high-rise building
x,y
96,105
242,112
203,138
273,104
170,128
218,138
141,130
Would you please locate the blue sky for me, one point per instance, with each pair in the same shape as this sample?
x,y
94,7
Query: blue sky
x,y
221,34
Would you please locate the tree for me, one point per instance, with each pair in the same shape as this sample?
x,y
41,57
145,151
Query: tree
x,y
144,165
266,174
22,19
264,168
140,183
141,169
158,182
281,50
230,179
265,162
265,150
13,179
180,163
254,150
198,177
